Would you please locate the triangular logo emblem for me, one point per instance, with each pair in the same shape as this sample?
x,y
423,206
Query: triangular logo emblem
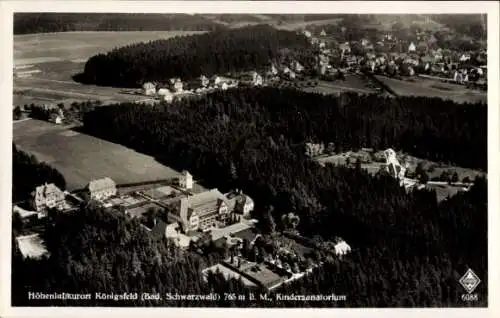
x,y
469,281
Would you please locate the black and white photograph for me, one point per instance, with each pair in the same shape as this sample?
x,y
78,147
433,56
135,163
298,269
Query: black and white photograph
x,y
249,160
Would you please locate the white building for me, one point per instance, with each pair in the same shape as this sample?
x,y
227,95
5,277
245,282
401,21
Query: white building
x,y
169,97
178,86
46,196
186,180
240,203
342,248
163,91
274,70
204,81
256,79
412,47
149,89
100,189
465,57
56,118
298,67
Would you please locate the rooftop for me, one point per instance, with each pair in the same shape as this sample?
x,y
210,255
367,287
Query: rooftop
x,y
47,189
101,184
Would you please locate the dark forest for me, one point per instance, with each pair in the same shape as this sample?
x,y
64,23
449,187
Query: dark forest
x,y
408,249
188,57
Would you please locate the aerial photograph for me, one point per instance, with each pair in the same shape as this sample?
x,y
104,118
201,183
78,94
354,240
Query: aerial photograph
x,y
249,160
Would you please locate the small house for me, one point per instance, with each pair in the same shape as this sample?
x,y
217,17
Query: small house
x,y
186,180
412,47
204,81
178,86
149,89
47,196
256,79
168,97
56,118
342,248
274,70
100,189
241,203
465,57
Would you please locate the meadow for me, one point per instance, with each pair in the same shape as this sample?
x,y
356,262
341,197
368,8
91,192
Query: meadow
x,y
79,46
352,83
432,88
60,56
81,158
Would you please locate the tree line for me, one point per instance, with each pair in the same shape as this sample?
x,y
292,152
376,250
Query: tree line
x,y
28,173
26,23
98,250
188,57
253,139
408,249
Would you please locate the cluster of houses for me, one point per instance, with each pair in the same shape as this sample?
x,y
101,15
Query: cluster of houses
x,y
189,212
176,88
392,57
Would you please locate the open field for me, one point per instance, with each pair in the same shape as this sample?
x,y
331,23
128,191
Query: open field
x,y
57,57
431,88
81,158
78,46
241,20
352,83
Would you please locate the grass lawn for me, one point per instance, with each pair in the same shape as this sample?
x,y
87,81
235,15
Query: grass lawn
x,y
433,88
81,158
60,56
352,83
79,46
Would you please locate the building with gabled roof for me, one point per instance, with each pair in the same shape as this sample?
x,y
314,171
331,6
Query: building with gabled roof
x,y
240,203
100,189
412,47
149,88
201,211
186,180
45,196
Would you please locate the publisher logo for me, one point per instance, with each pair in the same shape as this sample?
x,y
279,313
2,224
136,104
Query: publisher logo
x,y
470,281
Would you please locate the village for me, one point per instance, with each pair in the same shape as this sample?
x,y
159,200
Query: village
x,y
190,216
195,218
377,65
389,56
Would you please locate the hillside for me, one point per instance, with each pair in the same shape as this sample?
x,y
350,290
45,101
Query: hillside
x,y
25,23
